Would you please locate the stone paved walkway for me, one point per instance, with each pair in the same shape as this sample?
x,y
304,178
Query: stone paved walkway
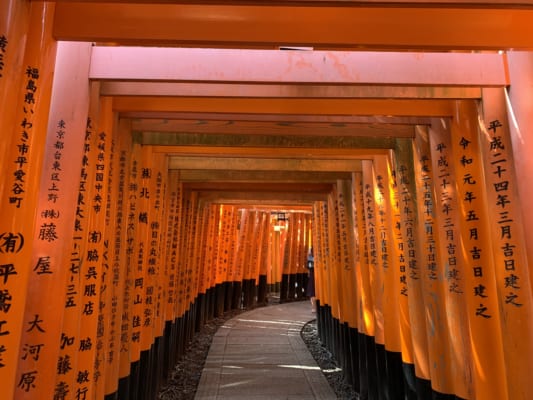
x,y
259,355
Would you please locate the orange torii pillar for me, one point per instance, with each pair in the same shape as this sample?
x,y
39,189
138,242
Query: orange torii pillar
x,y
209,214
294,226
338,311
389,246
364,303
404,353
518,107
412,323
199,268
129,339
509,245
194,218
449,256
14,26
170,268
123,258
262,285
347,278
240,251
333,309
168,264
250,266
51,265
185,285
256,256
432,269
181,302
301,256
285,243
277,238
481,293
221,259
373,205
232,245
322,283
209,219
30,94
154,321
205,278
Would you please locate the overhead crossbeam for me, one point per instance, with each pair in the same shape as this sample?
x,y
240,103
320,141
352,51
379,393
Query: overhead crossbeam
x,y
297,67
368,107
120,88
163,121
226,175
263,164
253,198
280,187
369,138
279,153
506,3
378,26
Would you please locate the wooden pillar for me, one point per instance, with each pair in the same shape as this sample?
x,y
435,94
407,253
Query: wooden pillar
x,y
232,245
400,264
319,255
365,323
417,375
22,159
432,269
509,249
221,261
292,258
14,26
519,98
325,286
54,222
171,260
129,332
93,252
343,252
391,245
480,283
372,226
135,233
212,219
120,272
347,280
449,246
105,166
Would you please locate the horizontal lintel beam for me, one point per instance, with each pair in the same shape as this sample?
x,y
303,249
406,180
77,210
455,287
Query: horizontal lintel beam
x,y
261,176
164,121
369,107
279,187
262,164
116,88
269,142
486,3
405,26
267,152
254,197
291,67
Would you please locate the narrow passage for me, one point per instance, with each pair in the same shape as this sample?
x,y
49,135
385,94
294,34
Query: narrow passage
x,y
260,355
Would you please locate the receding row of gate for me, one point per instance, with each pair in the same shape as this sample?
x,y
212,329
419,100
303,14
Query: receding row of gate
x,y
108,264
423,282
421,278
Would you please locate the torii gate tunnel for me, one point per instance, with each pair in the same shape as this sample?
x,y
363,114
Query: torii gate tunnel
x,y
165,163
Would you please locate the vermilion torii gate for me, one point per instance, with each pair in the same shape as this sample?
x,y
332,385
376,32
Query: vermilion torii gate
x,y
150,150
